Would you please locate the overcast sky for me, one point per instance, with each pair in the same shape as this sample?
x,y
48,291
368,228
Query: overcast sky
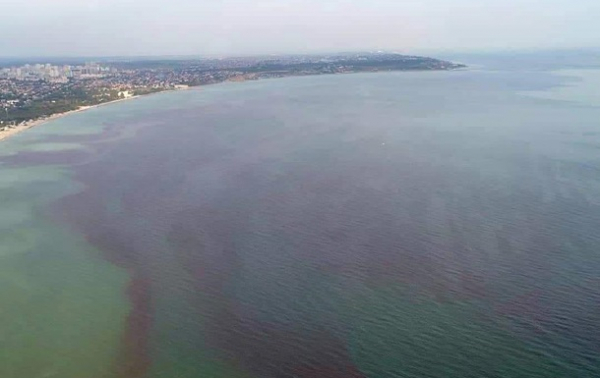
x,y
229,27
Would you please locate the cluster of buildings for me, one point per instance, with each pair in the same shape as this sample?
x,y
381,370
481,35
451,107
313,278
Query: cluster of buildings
x,y
55,74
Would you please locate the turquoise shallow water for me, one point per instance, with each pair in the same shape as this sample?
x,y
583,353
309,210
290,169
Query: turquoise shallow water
x,y
436,224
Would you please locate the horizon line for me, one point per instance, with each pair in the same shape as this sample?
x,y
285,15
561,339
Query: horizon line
x,y
252,55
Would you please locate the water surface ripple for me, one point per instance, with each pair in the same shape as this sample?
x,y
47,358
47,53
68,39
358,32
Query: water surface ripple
x,y
390,225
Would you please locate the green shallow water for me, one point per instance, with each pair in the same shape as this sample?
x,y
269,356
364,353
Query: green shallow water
x,y
62,306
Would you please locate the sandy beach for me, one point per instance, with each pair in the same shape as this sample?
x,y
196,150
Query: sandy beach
x,y
28,125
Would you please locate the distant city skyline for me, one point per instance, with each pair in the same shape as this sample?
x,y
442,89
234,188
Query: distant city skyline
x,y
244,27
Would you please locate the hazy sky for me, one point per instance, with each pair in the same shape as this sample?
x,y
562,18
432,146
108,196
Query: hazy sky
x,y
200,27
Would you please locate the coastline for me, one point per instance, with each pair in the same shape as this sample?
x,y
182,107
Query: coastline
x,y
31,124
7,133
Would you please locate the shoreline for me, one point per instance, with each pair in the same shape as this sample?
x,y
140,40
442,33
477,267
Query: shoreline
x,y
31,124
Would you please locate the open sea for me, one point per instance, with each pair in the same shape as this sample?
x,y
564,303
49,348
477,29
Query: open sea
x,y
409,224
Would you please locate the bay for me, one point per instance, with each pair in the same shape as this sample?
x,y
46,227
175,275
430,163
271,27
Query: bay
x,y
433,224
